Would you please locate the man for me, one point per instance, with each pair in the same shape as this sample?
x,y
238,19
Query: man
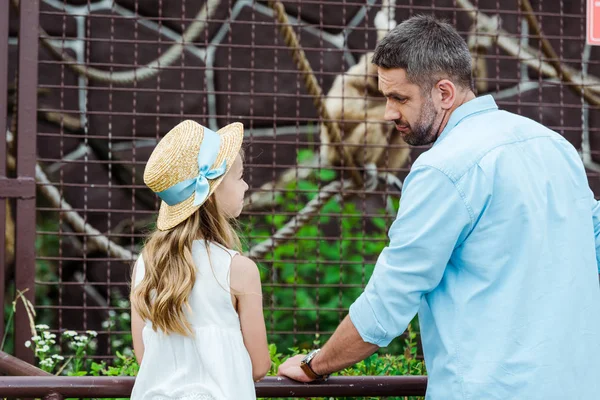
x,y
495,243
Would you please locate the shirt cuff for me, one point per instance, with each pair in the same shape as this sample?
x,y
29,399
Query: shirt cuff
x,y
364,320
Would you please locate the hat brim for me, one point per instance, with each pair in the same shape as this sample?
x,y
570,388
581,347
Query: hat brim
x,y
232,137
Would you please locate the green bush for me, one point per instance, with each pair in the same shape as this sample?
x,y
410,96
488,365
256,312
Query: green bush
x,y
49,357
311,280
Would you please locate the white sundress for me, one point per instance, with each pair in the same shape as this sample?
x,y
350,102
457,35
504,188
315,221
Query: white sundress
x,y
213,365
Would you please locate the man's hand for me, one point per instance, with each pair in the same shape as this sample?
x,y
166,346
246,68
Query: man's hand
x,y
291,369
343,349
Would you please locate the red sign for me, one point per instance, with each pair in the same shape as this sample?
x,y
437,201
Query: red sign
x,y
593,22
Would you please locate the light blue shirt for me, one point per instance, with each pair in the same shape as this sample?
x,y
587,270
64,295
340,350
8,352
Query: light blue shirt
x,y
496,246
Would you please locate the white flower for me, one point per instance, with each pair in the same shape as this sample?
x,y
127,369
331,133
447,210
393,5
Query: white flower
x,y
28,344
92,333
48,335
47,362
77,345
70,333
57,357
81,338
42,327
125,316
117,343
36,338
111,313
43,349
123,304
108,324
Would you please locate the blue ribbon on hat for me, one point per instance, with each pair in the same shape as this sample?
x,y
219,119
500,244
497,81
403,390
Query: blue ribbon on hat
x,y
209,150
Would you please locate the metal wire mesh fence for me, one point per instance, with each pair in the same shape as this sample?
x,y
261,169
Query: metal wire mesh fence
x,y
325,171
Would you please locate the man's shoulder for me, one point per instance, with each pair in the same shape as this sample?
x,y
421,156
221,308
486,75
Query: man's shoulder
x,y
475,137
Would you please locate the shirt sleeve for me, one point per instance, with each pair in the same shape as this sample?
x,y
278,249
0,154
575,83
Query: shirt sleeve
x,y
596,222
432,221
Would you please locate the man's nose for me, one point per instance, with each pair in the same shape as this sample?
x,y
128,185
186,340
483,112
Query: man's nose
x,y
391,114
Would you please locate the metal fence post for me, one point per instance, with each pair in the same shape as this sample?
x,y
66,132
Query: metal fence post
x,y
4,6
26,135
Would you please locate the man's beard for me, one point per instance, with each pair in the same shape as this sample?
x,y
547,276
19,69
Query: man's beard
x,y
422,132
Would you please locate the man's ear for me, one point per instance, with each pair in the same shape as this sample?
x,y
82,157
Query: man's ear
x,y
445,92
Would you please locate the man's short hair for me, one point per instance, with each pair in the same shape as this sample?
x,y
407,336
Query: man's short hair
x,y
428,50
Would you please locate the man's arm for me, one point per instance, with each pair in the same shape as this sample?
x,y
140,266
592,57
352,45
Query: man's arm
x,y
433,219
345,348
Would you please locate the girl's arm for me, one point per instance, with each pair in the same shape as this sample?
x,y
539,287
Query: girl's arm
x,y
246,286
137,324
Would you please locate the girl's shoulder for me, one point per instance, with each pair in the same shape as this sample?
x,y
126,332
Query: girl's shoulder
x,y
239,263
243,263
245,275
242,271
212,247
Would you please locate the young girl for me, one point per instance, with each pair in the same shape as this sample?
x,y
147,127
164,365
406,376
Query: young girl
x,y
196,316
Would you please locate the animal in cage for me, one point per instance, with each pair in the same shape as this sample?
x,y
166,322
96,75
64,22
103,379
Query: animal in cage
x,y
355,103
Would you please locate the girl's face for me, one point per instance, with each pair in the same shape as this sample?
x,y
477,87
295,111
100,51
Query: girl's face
x,y
230,193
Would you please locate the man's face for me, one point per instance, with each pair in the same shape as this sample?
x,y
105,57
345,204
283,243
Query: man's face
x,y
413,113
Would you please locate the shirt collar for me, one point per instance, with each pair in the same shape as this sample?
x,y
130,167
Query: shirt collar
x,y
470,108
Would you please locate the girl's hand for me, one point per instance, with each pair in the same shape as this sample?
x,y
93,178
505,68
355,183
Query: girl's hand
x,y
291,369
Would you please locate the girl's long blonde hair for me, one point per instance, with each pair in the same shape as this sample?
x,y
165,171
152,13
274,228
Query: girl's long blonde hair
x,y
164,292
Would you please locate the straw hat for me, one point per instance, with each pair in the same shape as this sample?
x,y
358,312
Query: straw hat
x,y
176,159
